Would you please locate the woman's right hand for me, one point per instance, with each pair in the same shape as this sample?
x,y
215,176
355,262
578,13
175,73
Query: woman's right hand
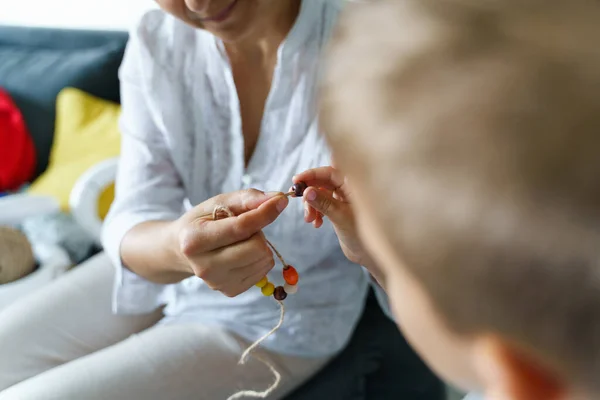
x,y
230,254
329,195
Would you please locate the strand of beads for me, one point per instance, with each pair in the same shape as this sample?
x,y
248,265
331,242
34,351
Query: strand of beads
x,y
280,293
290,275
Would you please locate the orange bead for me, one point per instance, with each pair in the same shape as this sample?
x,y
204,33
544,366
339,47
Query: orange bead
x,y
268,289
262,282
290,275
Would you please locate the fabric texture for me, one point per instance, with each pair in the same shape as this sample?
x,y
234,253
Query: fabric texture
x,y
473,396
378,364
182,144
17,152
37,63
62,230
86,134
63,343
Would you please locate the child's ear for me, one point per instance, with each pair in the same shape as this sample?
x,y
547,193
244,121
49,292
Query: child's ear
x,y
508,373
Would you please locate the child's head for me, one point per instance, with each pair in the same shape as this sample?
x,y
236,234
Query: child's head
x,y
470,131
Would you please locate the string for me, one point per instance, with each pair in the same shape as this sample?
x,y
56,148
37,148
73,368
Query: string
x,y
224,212
253,347
285,266
264,394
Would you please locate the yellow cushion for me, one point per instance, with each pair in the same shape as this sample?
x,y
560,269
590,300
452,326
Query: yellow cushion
x,y
86,133
105,200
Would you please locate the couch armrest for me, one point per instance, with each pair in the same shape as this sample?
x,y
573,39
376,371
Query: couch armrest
x,y
85,195
14,209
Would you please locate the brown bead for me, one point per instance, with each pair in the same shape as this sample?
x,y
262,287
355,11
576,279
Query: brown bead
x,y
299,189
280,293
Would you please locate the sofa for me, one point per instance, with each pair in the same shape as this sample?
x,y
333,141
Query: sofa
x,y
35,64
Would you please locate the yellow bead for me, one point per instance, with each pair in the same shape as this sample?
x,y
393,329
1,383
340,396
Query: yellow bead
x,y
262,282
268,289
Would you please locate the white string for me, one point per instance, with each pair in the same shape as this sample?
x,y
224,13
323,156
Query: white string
x,y
250,349
218,214
264,394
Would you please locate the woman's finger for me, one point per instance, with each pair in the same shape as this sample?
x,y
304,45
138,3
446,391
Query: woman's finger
x,y
238,202
318,222
224,232
238,255
338,212
325,177
251,275
241,280
309,213
314,215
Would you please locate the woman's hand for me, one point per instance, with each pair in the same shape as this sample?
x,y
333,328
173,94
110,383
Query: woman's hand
x,y
230,254
329,195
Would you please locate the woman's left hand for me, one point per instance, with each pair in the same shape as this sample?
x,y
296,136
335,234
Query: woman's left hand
x,y
329,195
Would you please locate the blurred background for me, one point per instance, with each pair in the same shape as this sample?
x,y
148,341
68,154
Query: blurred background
x,y
74,13
59,141
59,148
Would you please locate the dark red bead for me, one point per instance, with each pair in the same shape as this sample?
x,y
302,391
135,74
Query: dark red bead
x,y
280,293
299,189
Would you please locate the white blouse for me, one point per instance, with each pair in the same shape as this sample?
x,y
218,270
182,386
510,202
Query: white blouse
x,y
182,144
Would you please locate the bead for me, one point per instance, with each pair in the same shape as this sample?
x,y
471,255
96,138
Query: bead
x,y
279,293
290,289
268,289
299,189
290,275
262,282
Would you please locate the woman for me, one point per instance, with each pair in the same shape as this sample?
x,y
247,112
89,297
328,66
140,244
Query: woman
x,y
226,107
218,96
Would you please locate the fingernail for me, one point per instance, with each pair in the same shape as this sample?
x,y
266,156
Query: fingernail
x,y
311,196
282,204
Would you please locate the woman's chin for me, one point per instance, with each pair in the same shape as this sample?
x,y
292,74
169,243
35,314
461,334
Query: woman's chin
x,y
236,27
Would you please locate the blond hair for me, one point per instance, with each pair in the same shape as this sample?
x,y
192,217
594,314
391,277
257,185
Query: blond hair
x,y
476,126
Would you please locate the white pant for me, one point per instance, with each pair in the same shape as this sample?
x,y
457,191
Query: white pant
x,y
63,343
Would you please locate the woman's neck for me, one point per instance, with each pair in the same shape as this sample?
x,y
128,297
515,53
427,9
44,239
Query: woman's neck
x,y
262,44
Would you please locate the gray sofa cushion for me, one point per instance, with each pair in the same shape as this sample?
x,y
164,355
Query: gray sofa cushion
x,y
35,64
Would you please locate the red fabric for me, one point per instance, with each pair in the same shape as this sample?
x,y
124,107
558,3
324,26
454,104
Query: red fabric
x,y
17,151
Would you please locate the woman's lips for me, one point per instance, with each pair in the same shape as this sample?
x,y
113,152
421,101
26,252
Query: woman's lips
x,y
221,16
